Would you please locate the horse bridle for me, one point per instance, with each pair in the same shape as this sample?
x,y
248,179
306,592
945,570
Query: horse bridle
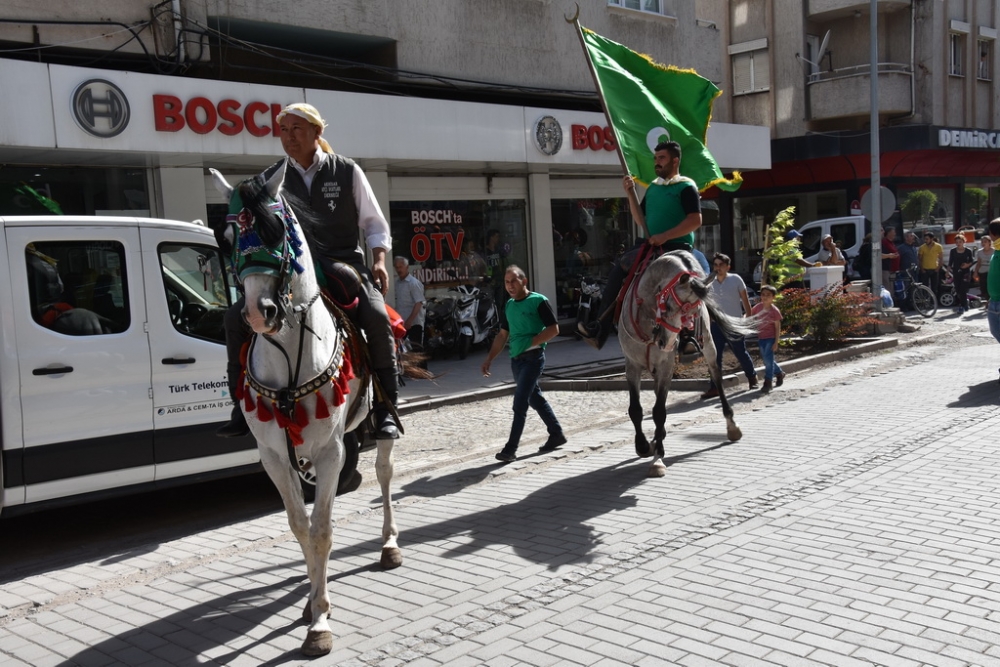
x,y
249,245
668,294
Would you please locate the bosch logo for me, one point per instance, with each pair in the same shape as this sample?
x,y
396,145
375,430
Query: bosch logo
x,y
100,108
548,135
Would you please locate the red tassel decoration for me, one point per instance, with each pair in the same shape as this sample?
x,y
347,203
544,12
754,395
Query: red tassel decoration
x,y
301,416
280,417
263,414
339,387
295,435
322,412
248,404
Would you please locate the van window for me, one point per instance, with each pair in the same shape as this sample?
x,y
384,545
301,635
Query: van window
x,y
78,288
845,236
196,289
809,243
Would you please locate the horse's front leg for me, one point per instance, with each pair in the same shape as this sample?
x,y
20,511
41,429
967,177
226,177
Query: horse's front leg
x,y
733,431
328,462
663,372
633,376
392,557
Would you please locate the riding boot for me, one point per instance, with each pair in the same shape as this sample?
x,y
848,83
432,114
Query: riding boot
x,y
237,425
385,424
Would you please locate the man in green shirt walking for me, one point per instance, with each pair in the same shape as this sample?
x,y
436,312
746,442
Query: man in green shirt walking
x,y
528,322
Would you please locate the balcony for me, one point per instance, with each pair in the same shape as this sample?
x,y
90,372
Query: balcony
x,y
845,92
831,9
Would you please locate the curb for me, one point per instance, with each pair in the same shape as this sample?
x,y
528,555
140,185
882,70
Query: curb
x,y
617,366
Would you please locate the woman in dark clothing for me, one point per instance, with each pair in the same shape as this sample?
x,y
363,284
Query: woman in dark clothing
x,y
960,262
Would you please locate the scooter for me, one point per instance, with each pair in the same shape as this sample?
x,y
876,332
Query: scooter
x,y
440,331
589,302
476,318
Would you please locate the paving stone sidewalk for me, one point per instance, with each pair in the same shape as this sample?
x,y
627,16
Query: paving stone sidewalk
x,y
854,524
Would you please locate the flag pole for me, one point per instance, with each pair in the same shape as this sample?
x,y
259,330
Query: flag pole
x,y
575,20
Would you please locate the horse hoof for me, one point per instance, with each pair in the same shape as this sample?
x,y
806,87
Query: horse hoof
x,y
307,613
391,558
643,450
318,642
657,470
734,433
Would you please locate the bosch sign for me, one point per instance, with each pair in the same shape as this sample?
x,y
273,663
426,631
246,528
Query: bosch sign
x,y
202,116
595,138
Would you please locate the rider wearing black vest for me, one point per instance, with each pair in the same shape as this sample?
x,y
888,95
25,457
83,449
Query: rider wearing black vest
x,y
341,205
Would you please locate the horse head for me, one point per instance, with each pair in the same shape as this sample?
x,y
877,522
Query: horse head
x,y
266,250
672,285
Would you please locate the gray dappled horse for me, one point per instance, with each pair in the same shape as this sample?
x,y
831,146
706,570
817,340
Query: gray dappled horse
x,y
669,295
299,391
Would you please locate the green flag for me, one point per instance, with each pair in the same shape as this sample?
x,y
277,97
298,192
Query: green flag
x,y
648,103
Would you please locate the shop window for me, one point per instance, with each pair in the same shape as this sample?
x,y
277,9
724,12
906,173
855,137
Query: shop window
x,y
956,54
931,209
984,70
78,288
451,243
588,234
751,67
73,191
196,289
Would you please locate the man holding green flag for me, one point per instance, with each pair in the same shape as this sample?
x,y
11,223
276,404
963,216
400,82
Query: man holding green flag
x,y
660,112
668,215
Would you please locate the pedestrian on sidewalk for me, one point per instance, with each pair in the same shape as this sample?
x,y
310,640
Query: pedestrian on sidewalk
x,y
769,333
993,308
730,292
528,321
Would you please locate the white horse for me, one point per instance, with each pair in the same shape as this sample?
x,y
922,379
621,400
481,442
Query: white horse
x,y
299,391
668,296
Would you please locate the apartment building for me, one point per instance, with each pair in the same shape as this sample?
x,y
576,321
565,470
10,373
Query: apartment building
x,y
468,118
803,68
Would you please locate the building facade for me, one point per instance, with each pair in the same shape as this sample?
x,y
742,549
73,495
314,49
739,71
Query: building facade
x,y
478,126
803,68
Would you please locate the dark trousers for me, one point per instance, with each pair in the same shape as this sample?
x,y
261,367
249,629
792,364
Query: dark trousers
x,y
527,369
931,278
962,279
739,348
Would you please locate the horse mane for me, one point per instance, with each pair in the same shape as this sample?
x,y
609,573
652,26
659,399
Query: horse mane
x,y
268,224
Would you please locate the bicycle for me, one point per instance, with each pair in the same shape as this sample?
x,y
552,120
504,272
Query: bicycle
x,y
910,290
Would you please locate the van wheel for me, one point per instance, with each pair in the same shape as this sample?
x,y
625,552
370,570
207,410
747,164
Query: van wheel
x,y
464,345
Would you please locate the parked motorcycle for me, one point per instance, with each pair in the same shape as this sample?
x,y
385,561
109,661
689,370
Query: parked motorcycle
x,y
440,331
476,318
589,300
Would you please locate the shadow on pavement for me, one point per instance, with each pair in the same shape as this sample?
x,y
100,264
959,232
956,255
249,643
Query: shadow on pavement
x,y
549,526
984,392
203,628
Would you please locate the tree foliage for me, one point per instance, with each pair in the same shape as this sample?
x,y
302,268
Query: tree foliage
x,y
918,205
781,252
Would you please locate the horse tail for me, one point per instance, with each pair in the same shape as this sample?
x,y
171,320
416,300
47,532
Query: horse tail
x,y
732,327
414,365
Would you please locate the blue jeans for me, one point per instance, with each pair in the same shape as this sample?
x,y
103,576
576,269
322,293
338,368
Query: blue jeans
x,y
527,368
739,348
771,367
993,317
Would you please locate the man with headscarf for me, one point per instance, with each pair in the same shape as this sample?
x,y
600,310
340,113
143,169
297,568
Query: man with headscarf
x,y
334,204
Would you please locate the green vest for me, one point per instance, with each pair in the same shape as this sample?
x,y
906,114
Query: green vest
x,y
664,210
523,322
993,278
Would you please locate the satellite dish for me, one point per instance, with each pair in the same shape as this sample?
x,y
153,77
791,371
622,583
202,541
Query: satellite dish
x,y
822,47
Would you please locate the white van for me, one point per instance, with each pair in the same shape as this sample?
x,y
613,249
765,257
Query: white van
x,y
848,233
113,360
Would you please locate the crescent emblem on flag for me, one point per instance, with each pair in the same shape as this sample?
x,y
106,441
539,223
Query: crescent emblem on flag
x,y
655,136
